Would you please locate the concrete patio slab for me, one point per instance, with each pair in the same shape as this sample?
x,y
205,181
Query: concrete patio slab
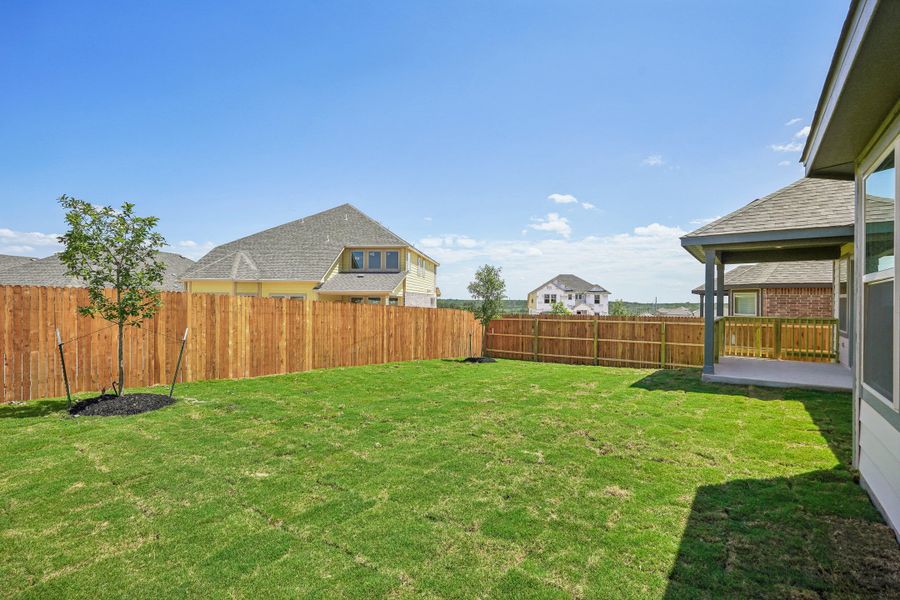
x,y
830,377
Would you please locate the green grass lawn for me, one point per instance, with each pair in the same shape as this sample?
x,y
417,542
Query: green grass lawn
x,y
441,479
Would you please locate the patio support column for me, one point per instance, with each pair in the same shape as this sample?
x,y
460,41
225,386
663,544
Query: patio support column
x,y
720,289
709,316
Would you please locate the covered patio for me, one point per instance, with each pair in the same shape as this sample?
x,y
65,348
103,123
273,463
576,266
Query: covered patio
x,y
810,219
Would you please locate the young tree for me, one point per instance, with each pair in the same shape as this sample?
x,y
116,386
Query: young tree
x,y
490,290
558,308
617,308
116,250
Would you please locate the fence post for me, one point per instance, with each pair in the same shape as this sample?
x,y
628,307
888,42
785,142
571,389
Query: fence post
x,y
777,339
62,359
662,345
535,341
178,364
758,335
596,343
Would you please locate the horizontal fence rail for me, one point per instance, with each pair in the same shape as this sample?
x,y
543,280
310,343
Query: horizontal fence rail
x,y
617,341
230,337
803,339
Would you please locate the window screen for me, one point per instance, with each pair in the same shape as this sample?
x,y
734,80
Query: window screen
x,y
878,343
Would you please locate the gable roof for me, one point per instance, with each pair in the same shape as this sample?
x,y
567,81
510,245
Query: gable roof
x,y
811,273
51,272
7,261
572,283
805,204
302,250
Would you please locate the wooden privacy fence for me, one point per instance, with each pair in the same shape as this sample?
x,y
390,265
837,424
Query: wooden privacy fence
x,y
230,337
810,340
656,342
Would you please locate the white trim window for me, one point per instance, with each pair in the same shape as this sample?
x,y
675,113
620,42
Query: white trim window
x,y
878,295
596,298
745,304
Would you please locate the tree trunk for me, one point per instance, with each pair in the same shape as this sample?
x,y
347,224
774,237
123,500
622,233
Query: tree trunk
x,y
121,358
484,341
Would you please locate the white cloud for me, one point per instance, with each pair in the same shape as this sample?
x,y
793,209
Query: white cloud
x,y
553,223
793,121
704,221
28,242
562,198
644,263
587,206
191,249
789,147
786,163
449,240
654,160
803,133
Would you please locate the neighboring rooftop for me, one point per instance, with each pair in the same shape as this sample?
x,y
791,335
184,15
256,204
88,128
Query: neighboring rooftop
x,y
812,273
573,283
302,250
362,282
51,272
7,261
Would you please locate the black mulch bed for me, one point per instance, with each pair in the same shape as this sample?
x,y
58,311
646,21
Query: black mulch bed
x,y
479,359
110,405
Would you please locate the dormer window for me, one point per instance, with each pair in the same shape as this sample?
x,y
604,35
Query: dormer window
x,y
374,260
356,260
392,260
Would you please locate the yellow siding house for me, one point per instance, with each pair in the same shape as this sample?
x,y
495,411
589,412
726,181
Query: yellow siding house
x,y
338,255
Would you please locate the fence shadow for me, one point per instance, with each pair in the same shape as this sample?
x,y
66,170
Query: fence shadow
x,y
789,537
32,408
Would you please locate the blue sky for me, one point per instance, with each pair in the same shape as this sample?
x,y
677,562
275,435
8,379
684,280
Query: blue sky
x,y
543,137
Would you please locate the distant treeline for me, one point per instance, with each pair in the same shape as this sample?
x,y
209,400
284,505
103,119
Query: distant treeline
x,y
520,306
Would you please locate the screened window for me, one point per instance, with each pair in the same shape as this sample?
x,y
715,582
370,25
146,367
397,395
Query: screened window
x,y
878,343
745,304
356,260
392,260
374,260
879,216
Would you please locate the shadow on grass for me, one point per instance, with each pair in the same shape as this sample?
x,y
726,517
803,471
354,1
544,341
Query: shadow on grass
x,y
31,408
810,536
831,412
807,536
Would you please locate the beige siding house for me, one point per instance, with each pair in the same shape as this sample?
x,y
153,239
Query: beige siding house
x,y
339,255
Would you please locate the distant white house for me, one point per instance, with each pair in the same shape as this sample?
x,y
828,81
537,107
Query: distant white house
x,y
579,296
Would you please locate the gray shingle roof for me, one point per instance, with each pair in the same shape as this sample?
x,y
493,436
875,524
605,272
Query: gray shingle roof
x,y
301,250
51,272
363,282
804,204
811,273
7,261
573,283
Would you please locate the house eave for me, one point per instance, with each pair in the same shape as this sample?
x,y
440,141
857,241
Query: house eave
x,y
786,238
860,91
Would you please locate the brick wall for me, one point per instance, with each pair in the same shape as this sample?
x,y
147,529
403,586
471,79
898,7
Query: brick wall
x,y
798,302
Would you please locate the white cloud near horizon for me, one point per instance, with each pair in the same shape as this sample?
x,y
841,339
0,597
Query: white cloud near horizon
x,y
803,133
28,243
654,160
647,262
552,223
191,249
562,198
